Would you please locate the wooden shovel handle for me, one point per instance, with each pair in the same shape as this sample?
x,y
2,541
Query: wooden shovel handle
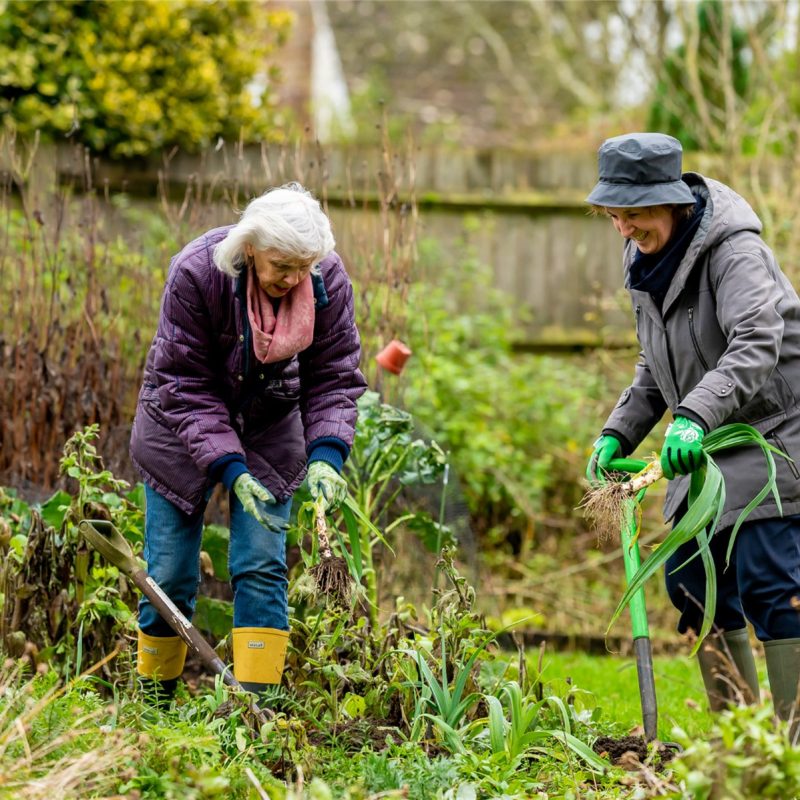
x,y
110,543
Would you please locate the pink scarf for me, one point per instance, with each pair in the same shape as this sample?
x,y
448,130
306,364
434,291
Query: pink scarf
x,y
281,337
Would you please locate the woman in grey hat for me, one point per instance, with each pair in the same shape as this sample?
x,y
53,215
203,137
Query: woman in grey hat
x,y
718,325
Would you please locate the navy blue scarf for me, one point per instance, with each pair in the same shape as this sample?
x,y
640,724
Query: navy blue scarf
x,y
653,272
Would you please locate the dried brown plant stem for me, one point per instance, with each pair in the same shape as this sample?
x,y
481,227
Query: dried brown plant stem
x,y
604,505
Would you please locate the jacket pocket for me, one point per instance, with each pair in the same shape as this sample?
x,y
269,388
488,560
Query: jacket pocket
x,y
779,444
271,402
695,342
283,389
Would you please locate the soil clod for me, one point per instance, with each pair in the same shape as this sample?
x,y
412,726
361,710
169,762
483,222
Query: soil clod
x,y
628,751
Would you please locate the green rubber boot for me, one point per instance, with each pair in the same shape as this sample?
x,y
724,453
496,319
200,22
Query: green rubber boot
x,y
728,669
783,669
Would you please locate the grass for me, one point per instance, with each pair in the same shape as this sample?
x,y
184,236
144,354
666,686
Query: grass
x,y
191,751
613,683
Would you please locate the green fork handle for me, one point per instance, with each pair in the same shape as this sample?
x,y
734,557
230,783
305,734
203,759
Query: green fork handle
x,y
630,549
641,633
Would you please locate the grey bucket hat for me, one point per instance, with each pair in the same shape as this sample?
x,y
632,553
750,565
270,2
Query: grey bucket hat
x,y
640,169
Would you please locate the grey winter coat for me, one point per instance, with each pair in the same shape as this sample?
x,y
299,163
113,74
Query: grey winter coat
x,y
205,396
726,347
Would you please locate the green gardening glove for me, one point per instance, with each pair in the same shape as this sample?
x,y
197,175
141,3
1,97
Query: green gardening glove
x,y
682,452
606,447
253,496
326,485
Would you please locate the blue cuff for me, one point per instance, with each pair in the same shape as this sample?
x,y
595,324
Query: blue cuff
x,y
227,469
330,449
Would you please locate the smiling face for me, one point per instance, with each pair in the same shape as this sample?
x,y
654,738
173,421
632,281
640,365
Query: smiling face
x,y
649,227
277,273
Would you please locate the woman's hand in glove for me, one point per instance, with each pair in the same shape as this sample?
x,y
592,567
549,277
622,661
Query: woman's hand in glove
x,y
326,485
682,452
606,448
253,496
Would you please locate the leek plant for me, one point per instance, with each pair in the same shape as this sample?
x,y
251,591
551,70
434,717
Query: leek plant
x,y
446,699
706,503
510,739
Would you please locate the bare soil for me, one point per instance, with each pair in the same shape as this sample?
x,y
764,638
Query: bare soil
x,y
630,751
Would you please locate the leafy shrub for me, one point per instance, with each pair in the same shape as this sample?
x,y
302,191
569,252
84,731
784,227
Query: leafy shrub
x,y
721,50
743,756
63,606
129,77
516,425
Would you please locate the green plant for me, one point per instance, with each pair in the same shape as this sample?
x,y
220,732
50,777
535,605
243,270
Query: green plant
x,y
385,458
128,78
743,756
514,424
515,735
63,604
446,699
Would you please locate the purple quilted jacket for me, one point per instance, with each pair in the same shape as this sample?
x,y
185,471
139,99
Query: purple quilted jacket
x,y
205,396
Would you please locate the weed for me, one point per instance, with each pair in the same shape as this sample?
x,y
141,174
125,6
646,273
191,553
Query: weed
x,y
744,755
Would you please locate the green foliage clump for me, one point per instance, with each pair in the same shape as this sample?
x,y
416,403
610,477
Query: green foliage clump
x,y
64,608
515,425
678,107
743,756
129,77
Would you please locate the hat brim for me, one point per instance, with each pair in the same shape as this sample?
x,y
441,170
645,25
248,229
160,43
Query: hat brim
x,y
632,195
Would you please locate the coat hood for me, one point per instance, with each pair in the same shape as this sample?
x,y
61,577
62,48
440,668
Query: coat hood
x,y
726,213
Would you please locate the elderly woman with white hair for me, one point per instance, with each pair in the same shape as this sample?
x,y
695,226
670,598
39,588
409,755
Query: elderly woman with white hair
x,y
251,380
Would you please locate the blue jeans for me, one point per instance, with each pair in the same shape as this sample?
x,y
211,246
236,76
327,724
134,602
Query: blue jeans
x,y
256,562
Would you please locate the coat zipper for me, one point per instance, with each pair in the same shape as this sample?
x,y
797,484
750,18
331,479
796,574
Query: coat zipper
x,y
694,339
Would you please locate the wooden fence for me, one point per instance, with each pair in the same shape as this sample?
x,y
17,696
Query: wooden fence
x,y
520,214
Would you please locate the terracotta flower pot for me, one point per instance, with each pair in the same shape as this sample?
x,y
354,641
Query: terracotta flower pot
x,y
393,357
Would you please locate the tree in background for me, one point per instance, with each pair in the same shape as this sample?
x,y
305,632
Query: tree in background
x,y
729,91
132,76
482,72
701,78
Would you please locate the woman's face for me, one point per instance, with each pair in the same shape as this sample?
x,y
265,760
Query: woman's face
x,y
277,273
649,227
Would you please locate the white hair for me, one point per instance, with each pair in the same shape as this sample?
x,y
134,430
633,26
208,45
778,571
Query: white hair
x,y
288,219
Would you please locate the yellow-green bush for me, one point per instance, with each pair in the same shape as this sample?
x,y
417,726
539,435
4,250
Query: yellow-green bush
x,y
132,76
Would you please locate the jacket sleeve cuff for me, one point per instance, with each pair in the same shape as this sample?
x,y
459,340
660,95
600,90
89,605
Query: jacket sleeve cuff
x,y
330,449
227,469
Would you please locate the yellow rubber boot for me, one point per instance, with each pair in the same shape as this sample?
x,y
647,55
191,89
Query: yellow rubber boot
x,y
258,657
159,662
